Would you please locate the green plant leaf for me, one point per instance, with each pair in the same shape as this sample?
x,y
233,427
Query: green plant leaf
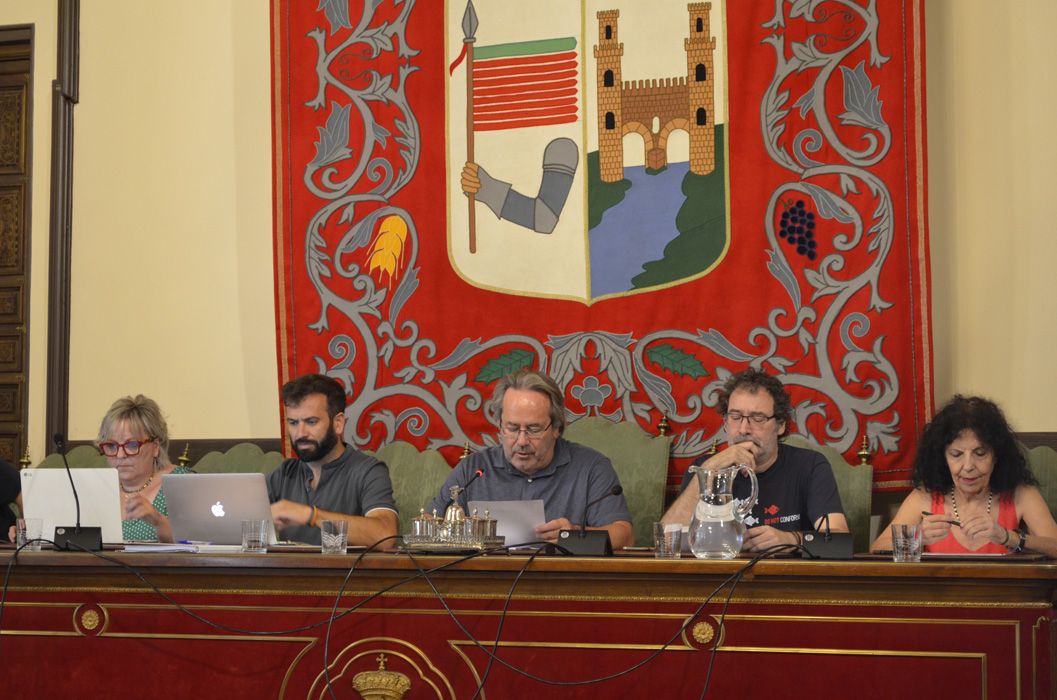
x,y
504,364
675,360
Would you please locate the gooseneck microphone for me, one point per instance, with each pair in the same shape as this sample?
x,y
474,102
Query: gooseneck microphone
x,y
60,445
76,537
587,543
615,491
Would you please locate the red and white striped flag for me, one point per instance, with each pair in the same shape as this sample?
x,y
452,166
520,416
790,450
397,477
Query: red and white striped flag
x,y
528,83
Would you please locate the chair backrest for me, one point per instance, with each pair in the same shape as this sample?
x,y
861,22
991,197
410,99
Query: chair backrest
x,y
80,456
243,457
855,485
416,476
1043,463
641,462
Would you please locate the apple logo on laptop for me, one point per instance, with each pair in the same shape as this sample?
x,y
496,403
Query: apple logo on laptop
x,y
217,509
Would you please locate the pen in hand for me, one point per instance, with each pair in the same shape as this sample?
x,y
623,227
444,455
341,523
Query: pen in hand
x,y
952,522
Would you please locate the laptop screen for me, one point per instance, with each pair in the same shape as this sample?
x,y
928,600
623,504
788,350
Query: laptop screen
x,y
211,507
46,494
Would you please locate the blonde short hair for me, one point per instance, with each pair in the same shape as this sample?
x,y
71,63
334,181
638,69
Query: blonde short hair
x,y
142,415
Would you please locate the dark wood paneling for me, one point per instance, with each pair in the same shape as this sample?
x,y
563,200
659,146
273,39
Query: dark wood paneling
x,y
64,99
1038,439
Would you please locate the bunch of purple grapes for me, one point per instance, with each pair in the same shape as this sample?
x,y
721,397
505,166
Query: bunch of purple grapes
x,y
798,229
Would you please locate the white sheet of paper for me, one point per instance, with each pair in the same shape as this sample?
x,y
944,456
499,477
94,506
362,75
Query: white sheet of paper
x,y
515,520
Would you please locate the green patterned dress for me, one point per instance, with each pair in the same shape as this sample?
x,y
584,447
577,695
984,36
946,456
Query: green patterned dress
x,y
141,530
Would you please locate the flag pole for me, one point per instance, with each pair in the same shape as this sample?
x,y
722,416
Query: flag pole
x,y
469,31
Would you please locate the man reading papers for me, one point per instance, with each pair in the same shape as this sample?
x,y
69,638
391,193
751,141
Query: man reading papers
x,y
533,461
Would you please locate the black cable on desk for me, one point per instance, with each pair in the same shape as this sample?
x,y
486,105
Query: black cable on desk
x,y
735,578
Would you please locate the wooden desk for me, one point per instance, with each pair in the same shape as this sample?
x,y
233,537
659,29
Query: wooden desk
x,y
77,626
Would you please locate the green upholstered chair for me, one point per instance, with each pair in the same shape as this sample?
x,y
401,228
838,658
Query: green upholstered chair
x,y
1043,463
80,456
243,457
855,485
416,476
641,462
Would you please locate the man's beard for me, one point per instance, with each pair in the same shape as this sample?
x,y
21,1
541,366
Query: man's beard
x,y
312,451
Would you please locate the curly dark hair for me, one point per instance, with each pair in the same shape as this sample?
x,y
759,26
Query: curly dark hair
x,y
297,390
752,380
986,420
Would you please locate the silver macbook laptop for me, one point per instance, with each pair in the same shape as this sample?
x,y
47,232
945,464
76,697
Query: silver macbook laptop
x,y
46,494
211,507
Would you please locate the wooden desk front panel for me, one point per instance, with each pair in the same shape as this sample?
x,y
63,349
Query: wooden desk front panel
x,y
857,629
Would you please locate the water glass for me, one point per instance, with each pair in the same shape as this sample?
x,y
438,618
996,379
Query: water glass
x,y
667,540
255,536
906,543
334,535
27,530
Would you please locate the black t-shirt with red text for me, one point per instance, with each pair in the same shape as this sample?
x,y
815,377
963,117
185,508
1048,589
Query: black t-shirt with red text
x,y
795,491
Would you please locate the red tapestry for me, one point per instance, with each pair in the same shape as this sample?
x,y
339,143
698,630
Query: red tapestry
x,y
638,198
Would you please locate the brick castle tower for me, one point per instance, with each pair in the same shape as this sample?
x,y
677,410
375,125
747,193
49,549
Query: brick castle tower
x,y
700,80
680,103
610,116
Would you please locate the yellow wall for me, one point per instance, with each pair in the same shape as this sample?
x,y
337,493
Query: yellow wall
x,y
992,96
172,281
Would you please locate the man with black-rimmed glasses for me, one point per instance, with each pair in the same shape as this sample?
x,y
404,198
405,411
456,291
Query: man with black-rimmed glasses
x,y
797,491
533,461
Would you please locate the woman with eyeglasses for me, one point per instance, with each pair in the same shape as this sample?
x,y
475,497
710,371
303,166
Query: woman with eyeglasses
x,y
135,440
974,492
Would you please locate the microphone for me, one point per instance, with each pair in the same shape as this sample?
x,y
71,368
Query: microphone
x,y
75,538
615,491
455,490
588,543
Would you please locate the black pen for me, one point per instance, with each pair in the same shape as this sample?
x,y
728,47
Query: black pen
x,y
952,522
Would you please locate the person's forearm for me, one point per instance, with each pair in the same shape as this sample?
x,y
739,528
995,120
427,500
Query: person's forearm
x,y
164,529
620,532
363,530
682,510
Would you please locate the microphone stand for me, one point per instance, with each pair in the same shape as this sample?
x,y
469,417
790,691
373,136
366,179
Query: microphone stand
x,y
76,537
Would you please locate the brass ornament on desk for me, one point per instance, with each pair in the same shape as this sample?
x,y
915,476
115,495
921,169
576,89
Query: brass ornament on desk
x,y
381,684
185,457
664,427
456,532
703,633
89,619
466,451
25,461
713,448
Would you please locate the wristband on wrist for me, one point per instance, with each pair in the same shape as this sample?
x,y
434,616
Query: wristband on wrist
x,y
312,517
1022,537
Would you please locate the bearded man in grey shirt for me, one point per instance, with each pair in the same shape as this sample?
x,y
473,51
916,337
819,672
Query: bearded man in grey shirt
x,y
328,480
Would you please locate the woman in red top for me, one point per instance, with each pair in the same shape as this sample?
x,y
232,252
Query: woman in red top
x,y
973,487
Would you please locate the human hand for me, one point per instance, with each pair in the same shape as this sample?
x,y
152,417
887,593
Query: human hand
x,y
761,537
470,182
935,527
980,527
286,513
549,530
740,453
137,507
